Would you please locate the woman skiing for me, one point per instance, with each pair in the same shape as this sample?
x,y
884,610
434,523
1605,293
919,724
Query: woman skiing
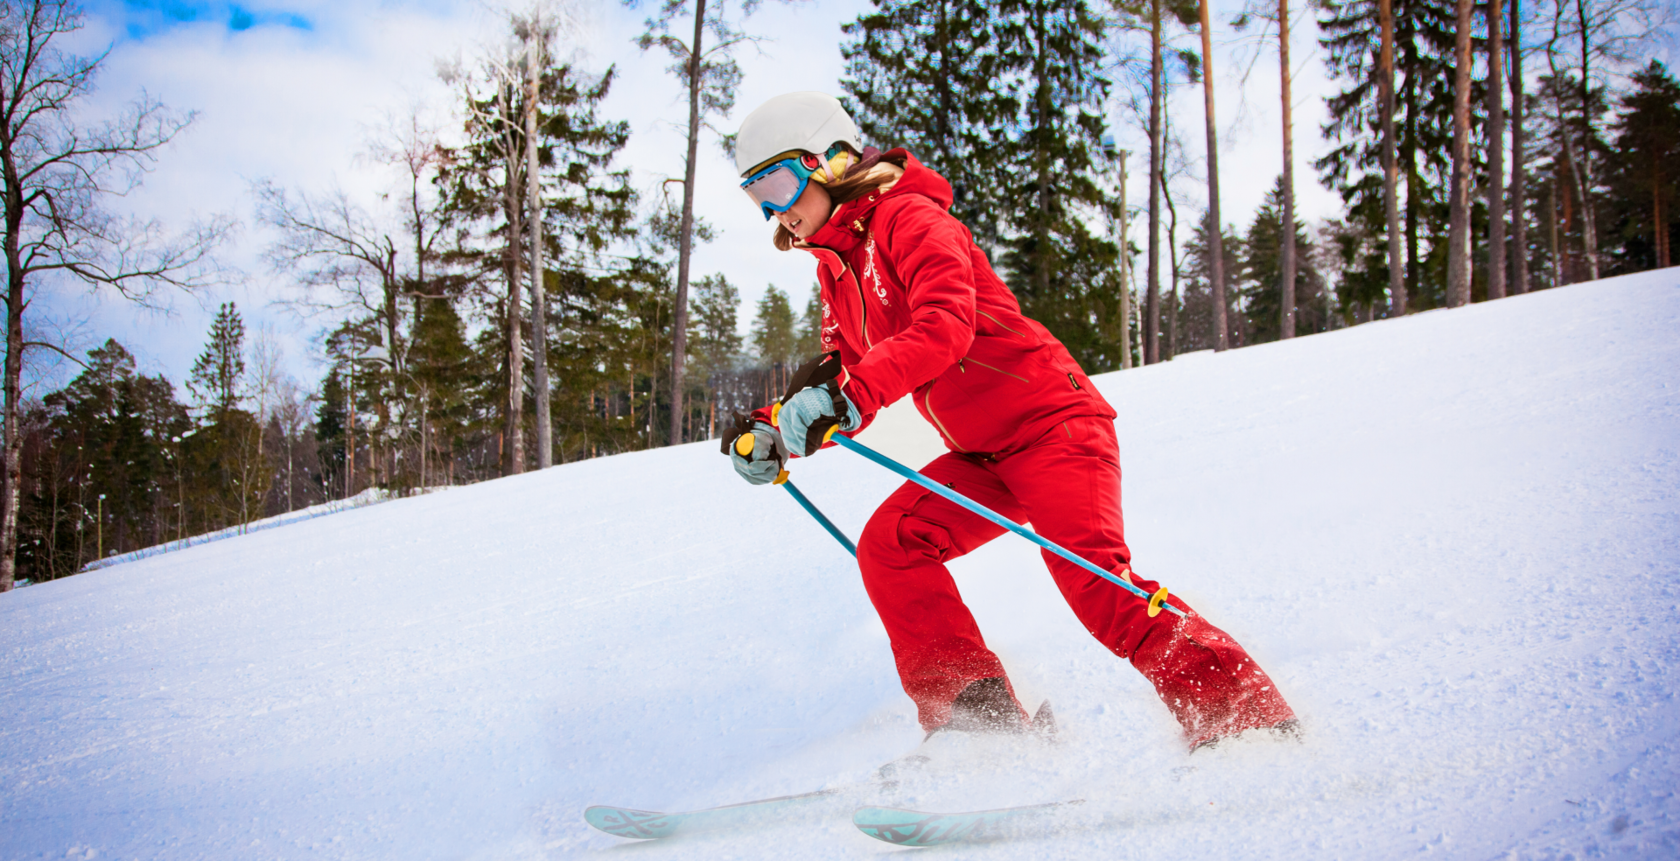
x,y
911,306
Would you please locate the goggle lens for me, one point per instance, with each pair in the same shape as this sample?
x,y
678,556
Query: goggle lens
x,y
776,187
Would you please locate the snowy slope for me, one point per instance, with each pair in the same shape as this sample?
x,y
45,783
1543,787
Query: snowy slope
x,y
1453,539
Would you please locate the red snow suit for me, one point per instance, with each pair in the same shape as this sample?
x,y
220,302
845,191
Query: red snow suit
x,y
914,308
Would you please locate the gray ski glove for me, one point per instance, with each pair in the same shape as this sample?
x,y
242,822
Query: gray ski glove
x,y
766,454
807,417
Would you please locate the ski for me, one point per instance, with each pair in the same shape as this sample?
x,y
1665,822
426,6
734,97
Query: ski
x,y
653,824
917,828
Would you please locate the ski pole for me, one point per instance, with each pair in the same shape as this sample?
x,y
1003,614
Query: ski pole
x,y
744,445
812,509
1157,602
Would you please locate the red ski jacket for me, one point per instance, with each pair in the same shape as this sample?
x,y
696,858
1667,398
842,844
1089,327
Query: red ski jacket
x,y
913,306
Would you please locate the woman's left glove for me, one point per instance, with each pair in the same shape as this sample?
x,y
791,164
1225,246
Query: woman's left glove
x,y
765,457
807,417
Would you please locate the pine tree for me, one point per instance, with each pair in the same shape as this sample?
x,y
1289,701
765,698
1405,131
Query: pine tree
x,y
1644,171
716,344
103,465
1423,45
930,76
1262,268
218,374
1062,273
773,335
809,335
438,359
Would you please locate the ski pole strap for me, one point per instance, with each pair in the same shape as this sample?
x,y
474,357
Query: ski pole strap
x,y
812,510
1157,602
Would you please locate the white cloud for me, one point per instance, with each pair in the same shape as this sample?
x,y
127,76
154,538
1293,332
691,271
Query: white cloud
x,y
296,105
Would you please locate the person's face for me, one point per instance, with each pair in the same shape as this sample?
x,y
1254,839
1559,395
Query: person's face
x,y
809,213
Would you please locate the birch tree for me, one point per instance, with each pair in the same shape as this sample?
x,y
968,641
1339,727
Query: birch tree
x,y
58,171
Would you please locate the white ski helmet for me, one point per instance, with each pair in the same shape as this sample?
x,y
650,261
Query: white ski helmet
x,y
793,122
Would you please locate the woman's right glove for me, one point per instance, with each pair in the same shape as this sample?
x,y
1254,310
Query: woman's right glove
x,y
766,455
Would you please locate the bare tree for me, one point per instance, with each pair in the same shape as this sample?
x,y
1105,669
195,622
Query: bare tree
x,y
57,171
343,258
1458,218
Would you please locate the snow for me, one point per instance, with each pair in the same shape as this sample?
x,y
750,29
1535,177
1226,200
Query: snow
x,y
1450,538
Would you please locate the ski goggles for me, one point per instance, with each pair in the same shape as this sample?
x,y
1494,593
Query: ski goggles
x,y
779,184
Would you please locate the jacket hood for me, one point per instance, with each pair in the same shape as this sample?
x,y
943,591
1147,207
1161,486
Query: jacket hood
x,y
850,222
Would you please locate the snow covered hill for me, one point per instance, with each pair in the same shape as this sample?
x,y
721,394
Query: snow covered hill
x,y
1453,539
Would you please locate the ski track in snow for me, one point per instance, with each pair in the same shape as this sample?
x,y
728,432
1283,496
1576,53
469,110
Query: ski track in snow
x,y
1451,538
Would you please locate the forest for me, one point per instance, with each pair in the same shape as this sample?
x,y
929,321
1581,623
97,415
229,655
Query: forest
x,y
520,304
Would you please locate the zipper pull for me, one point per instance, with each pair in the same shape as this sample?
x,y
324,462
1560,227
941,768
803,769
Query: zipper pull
x,y
1073,381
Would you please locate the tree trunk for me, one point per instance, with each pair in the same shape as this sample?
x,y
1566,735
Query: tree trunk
x,y
685,242
1519,176
1287,248
1656,216
1583,169
1391,167
1216,242
539,300
1125,288
12,479
1578,185
1172,247
1458,225
1496,151
514,461
1552,222
1152,300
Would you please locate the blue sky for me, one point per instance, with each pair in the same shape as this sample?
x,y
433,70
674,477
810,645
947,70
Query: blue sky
x,y
145,18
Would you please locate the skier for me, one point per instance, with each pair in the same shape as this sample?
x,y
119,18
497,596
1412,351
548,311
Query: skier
x,y
911,306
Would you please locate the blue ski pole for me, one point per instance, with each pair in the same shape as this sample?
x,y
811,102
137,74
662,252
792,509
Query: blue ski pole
x,y
1157,602
744,445
812,509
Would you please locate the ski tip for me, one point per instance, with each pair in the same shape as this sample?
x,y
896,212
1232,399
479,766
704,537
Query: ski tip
x,y
902,827
635,824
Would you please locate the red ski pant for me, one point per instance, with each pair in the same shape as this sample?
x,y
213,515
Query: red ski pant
x,y
1067,485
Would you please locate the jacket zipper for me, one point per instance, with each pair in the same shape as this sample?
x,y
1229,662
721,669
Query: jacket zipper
x,y
997,321
927,401
990,368
863,306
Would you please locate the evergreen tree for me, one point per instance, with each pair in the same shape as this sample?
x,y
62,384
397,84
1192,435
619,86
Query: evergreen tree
x,y
1262,269
1058,269
1196,316
809,335
773,335
932,76
438,362
1006,101
220,370
102,474
1644,171
1424,42
716,344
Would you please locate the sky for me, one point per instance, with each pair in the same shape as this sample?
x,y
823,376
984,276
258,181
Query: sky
x,y
294,91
